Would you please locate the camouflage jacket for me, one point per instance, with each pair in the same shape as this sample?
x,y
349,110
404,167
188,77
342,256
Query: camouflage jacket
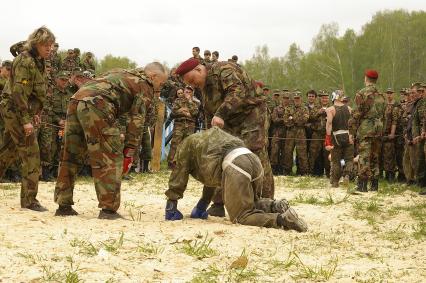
x,y
69,64
419,119
318,118
369,114
296,116
61,99
392,116
3,82
56,62
124,91
277,116
200,155
229,93
88,65
182,104
26,89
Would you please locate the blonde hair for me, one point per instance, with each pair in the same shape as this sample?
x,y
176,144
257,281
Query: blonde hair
x,y
40,35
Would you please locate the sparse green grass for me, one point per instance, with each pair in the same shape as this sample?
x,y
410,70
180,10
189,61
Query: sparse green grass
x,y
32,258
316,272
367,210
149,249
113,245
310,199
85,247
419,230
198,248
69,275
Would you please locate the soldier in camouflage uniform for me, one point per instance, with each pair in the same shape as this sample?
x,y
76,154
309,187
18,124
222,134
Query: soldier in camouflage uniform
x,y
88,62
92,126
231,102
23,99
399,139
184,113
217,158
295,118
279,134
69,62
410,151
55,59
6,67
392,115
419,136
317,153
368,126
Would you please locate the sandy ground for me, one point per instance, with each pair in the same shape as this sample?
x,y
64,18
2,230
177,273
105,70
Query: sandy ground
x,y
351,238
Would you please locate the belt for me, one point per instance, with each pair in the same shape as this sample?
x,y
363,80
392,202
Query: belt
x,y
229,158
339,132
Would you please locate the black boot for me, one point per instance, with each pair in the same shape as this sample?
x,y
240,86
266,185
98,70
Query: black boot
x,y
374,185
45,174
109,214
65,210
216,209
390,176
361,185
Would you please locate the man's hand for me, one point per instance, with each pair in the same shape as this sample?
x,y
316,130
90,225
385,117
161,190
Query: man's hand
x,y
217,121
28,129
36,119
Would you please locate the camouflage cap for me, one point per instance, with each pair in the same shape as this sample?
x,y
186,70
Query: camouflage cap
x,y
416,85
285,89
286,94
265,88
63,75
389,90
6,63
323,93
297,94
403,91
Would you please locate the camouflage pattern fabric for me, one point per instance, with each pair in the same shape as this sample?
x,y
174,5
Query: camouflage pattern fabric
x,y
388,156
369,116
23,97
200,155
295,118
318,119
92,126
278,135
419,124
69,64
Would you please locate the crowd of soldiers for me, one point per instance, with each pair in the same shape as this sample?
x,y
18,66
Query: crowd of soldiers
x,y
57,117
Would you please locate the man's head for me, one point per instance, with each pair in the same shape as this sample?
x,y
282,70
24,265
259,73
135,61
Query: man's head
x,y
179,92
338,96
370,76
207,55
157,74
188,92
286,99
70,53
41,40
215,55
324,98
265,91
297,98
276,95
195,52
312,96
6,67
62,79
78,77
55,47
234,58
76,52
390,95
192,73
89,55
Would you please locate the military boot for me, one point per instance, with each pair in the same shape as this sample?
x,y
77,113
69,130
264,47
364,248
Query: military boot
x,y
36,207
65,210
109,214
361,185
374,186
216,209
289,220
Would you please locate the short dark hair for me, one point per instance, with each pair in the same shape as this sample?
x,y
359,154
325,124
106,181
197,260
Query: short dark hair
x,y
235,57
216,53
207,52
312,91
196,48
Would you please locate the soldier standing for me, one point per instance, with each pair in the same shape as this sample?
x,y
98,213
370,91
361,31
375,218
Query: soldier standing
x,y
419,136
338,140
184,112
392,113
295,118
69,62
55,59
22,102
6,67
207,55
88,62
317,153
368,117
410,151
230,101
399,139
215,56
92,126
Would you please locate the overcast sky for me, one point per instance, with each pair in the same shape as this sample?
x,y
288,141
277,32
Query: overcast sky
x,y
167,30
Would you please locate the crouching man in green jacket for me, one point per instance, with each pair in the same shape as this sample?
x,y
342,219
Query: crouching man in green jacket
x,y
216,158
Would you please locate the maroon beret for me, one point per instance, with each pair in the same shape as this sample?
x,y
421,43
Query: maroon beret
x,y
372,74
187,66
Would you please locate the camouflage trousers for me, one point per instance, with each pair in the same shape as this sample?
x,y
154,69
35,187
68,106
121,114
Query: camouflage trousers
x,y
17,145
44,137
409,162
337,154
420,162
277,145
317,150
296,138
181,129
399,156
144,151
388,156
369,158
90,129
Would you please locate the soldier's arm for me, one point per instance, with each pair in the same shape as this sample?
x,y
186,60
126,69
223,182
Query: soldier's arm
x,y
22,77
236,96
277,116
136,122
416,124
193,109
